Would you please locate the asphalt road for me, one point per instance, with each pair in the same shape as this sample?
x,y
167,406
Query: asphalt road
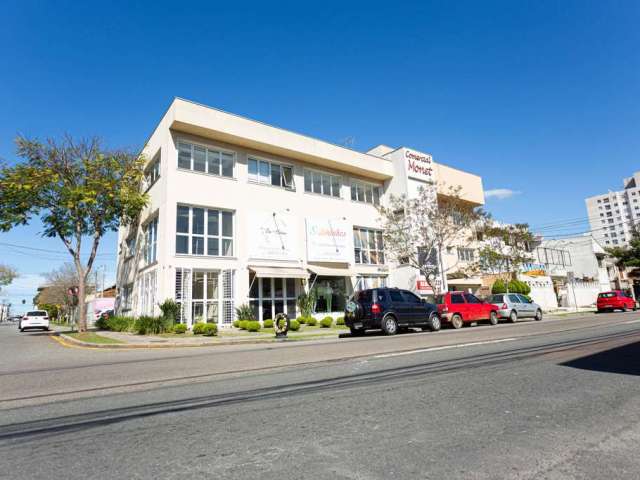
x,y
557,399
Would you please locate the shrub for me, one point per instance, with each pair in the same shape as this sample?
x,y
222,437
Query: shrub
x,y
253,325
294,325
306,302
146,325
267,323
120,324
242,324
326,322
498,286
179,328
340,321
198,328
245,312
101,323
170,310
301,320
209,329
236,323
311,321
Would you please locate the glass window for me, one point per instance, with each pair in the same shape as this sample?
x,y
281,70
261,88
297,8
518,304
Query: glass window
x,y
276,176
471,298
262,171
152,172
287,177
410,297
457,298
151,241
496,299
184,155
227,164
197,236
270,296
199,160
396,296
317,183
514,298
253,170
368,246
213,162
365,192
335,186
308,179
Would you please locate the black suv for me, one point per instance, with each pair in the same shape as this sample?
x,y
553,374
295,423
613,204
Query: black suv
x,y
389,309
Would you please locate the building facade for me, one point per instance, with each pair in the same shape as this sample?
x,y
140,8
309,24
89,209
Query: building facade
x,y
241,212
612,215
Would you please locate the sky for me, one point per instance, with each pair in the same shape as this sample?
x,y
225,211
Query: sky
x,y
539,98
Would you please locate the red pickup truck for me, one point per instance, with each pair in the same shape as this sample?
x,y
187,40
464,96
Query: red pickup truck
x,y
615,300
459,308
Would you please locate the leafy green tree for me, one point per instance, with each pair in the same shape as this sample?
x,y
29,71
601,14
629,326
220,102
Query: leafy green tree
x,y
505,248
7,275
79,190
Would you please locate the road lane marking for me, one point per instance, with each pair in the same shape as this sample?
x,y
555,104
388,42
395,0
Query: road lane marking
x,y
630,322
444,347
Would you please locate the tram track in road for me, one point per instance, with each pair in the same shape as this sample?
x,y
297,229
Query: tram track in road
x,y
78,422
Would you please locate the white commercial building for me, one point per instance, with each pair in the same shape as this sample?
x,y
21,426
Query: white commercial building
x,y
612,215
244,212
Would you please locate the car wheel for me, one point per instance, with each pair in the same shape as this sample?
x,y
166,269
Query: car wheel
x,y
389,325
493,318
356,332
513,316
21,330
456,321
635,307
538,316
624,309
434,324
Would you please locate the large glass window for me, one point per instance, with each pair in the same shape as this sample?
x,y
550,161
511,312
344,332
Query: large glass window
x,y
205,160
270,296
466,254
152,172
151,241
368,247
204,231
205,296
330,294
322,183
270,173
365,192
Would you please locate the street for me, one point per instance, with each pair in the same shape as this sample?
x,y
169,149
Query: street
x,y
557,399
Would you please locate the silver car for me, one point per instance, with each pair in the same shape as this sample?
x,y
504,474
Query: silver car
x,y
514,306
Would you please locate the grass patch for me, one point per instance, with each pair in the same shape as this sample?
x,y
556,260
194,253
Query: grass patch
x,y
91,337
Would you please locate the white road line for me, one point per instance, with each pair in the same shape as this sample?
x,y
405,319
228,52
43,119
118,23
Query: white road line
x,y
630,322
445,347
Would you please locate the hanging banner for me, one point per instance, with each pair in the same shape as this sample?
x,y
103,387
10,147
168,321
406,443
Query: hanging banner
x,y
272,236
329,240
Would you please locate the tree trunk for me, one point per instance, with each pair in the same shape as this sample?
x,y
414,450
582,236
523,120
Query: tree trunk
x,y
82,314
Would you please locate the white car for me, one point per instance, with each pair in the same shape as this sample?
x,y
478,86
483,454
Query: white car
x,y
34,319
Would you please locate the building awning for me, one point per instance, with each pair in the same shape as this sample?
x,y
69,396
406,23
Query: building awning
x,y
331,271
279,272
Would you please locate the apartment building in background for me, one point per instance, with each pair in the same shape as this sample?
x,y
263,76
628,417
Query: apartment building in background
x,y
243,212
612,215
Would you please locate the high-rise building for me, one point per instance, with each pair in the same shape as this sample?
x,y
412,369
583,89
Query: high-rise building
x,y
612,215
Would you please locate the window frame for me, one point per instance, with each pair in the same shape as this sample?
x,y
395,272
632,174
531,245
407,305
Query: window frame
x,y
152,171
150,253
354,182
332,176
205,235
207,147
281,165
358,252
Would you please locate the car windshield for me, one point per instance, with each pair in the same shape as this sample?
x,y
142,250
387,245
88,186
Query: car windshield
x,y
37,313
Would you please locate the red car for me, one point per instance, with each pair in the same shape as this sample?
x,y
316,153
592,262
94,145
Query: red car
x,y
615,300
459,308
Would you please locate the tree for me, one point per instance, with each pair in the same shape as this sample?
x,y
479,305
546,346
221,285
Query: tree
x,y
79,190
416,230
7,275
56,290
628,256
505,248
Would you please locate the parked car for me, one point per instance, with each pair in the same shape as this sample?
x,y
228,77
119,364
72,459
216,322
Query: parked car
x,y
105,314
459,308
615,300
34,319
514,305
389,309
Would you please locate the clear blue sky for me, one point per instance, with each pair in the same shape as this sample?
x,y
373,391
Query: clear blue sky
x,y
536,97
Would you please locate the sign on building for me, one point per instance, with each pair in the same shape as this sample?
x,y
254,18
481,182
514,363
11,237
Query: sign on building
x,y
272,236
419,166
329,240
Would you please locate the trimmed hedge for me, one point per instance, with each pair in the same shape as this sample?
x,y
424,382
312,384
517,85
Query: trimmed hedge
x,y
294,325
311,321
120,324
340,321
242,324
253,325
210,329
198,328
326,322
267,323
236,323
146,325
301,320
179,328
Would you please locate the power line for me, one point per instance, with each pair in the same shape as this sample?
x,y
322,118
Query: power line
x,y
60,252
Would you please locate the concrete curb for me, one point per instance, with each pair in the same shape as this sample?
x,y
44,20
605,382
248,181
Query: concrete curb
x,y
148,346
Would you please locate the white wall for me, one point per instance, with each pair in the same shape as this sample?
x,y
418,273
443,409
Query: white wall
x,y
541,291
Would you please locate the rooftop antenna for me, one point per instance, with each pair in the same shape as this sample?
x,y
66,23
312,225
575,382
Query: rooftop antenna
x,y
348,142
